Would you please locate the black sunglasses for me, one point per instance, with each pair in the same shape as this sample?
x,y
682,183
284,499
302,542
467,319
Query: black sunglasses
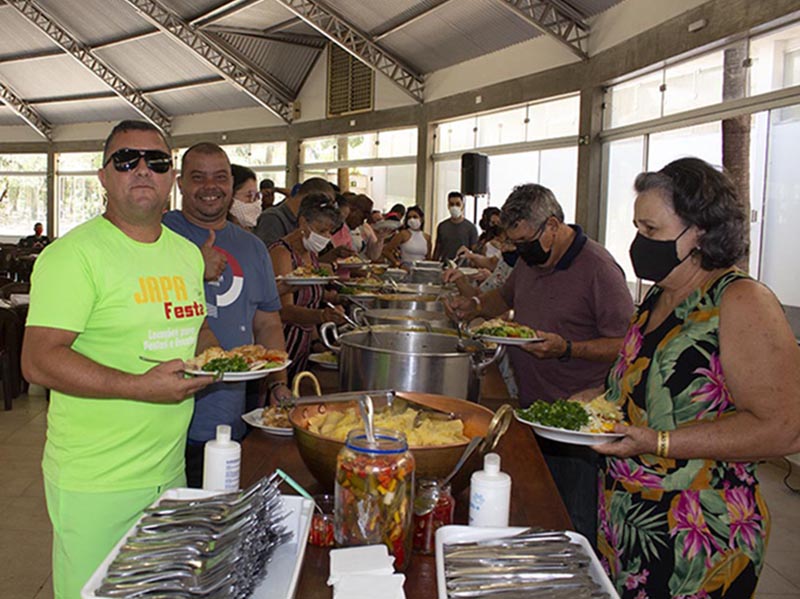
x,y
126,159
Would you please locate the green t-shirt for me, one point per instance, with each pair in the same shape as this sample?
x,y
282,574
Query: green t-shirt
x,y
125,299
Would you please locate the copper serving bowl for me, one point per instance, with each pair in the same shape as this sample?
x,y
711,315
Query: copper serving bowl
x,y
319,452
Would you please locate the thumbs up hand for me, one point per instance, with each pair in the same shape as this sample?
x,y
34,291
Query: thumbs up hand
x,y
215,262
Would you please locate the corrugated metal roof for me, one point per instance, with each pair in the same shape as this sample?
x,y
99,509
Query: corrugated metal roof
x,y
288,63
189,9
54,76
9,117
19,36
93,21
105,109
258,16
154,61
202,98
370,15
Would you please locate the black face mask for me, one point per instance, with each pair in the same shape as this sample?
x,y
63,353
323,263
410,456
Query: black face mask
x,y
652,259
533,253
510,258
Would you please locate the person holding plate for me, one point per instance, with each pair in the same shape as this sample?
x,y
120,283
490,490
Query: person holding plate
x,y
709,380
304,306
242,300
571,291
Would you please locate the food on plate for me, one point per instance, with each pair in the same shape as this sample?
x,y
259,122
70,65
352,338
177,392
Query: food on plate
x,y
497,327
368,282
597,416
306,272
336,425
351,260
238,359
328,357
276,417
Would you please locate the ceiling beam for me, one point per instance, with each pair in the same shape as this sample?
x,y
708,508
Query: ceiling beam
x,y
260,86
549,17
156,89
82,53
357,43
379,34
282,25
226,9
299,39
24,110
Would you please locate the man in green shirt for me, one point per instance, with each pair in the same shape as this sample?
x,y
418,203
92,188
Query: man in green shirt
x,y
113,290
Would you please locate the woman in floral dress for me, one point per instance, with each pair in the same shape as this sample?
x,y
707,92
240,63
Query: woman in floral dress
x,y
709,380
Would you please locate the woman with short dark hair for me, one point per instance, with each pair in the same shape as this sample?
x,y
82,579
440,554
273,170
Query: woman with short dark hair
x,y
709,381
246,204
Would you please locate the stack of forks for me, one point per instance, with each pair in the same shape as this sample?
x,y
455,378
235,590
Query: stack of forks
x,y
216,547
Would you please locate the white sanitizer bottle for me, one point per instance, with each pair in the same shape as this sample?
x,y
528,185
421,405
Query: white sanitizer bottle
x,y
222,462
489,494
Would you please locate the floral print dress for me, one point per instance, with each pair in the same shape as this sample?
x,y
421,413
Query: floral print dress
x,y
678,528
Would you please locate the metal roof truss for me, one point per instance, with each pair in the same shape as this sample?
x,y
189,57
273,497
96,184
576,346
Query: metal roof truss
x,y
25,112
550,18
83,54
358,44
257,85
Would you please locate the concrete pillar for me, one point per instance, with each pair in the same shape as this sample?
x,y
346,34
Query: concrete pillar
x,y
51,192
590,154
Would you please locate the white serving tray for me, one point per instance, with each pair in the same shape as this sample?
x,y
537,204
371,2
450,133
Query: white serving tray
x,y
454,533
283,570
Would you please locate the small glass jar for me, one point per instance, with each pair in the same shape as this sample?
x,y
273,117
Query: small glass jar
x,y
433,508
321,532
374,493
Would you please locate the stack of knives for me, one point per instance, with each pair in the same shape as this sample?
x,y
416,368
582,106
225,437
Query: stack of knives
x,y
216,547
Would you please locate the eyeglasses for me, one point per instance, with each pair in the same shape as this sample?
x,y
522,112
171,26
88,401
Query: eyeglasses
x,y
127,159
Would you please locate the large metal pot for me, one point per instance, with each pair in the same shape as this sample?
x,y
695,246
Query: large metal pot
x,y
422,289
384,357
428,275
403,318
407,301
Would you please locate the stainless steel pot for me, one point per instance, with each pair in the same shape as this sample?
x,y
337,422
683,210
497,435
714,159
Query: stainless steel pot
x,y
403,318
427,275
406,360
423,289
407,301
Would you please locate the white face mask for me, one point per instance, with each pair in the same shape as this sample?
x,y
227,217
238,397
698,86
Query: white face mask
x,y
414,224
246,213
315,242
455,211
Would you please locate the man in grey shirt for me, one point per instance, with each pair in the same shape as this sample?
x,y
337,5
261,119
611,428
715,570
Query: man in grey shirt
x,y
278,221
455,232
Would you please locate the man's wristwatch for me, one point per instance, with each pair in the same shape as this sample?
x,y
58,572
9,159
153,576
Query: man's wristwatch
x,y
567,355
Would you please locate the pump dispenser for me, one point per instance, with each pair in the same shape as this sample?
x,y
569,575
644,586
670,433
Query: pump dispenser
x,y
489,494
222,462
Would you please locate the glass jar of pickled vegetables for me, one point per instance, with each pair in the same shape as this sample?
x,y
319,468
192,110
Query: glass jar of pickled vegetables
x,y
374,493
433,508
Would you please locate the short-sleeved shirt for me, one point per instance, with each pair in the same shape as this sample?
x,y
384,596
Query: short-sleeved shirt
x,y
275,223
450,236
124,299
247,284
584,296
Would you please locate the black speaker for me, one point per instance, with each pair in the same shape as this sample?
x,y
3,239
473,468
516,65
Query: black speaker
x,y
474,174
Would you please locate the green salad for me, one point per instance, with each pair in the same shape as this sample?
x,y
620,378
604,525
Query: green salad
x,y
570,415
234,364
502,328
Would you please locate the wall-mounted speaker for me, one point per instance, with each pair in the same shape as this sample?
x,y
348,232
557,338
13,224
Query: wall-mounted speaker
x,y
474,174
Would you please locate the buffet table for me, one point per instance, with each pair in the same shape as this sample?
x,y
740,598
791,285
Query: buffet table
x,y
534,501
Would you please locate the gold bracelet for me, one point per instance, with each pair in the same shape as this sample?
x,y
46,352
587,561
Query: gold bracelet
x,y
662,446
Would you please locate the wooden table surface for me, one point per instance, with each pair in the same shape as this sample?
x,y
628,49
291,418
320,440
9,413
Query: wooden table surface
x,y
534,501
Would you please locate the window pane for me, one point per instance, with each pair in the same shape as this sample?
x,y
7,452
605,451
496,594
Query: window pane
x,y
386,185
694,83
254,155
319,150
506,171
79,161
505,127
634,101
775,60
456,135
447,178
361,146
25,202
781,243
329,174
278,177
557,118
80,198
23,162
703,141
559,172
400,142
623,160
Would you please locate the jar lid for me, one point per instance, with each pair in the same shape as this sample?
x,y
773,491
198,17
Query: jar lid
x,y
386,441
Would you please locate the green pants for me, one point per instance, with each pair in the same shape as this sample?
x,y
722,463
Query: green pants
x,y
86,526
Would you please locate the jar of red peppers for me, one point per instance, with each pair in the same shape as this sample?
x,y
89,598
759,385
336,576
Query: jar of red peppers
x,y
374,493
433,508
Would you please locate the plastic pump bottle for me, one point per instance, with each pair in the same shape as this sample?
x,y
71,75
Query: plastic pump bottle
x,y
222,462
490,494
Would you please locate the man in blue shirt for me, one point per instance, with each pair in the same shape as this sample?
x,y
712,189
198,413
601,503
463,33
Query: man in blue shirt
x,y
242,300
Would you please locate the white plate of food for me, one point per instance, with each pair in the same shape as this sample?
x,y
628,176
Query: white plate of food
x,y
387,225
273,420
292,280
243,363
505,332
583,423
468,271
352,262
326,359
